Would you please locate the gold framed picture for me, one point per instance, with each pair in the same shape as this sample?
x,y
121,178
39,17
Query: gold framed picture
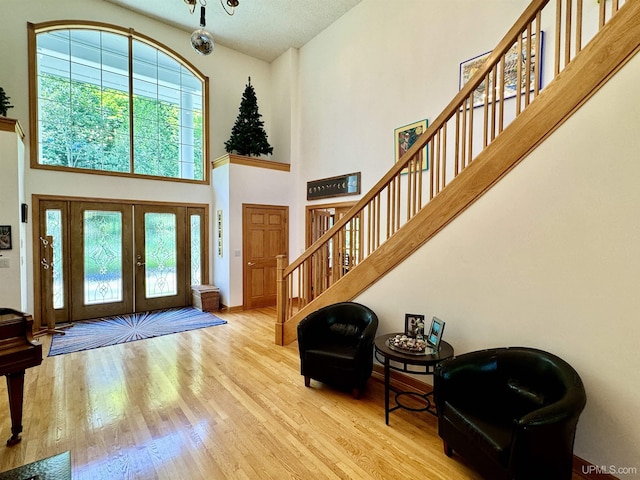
x,y
406,136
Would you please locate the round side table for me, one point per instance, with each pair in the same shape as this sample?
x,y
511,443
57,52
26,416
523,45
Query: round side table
x,y
419,364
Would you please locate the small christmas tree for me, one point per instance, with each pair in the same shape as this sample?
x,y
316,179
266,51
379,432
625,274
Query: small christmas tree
x,y
248,136
4,103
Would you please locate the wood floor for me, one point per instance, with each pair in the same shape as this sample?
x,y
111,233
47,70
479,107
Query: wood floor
x,y
216,403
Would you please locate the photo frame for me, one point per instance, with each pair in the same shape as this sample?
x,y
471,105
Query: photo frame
x,y
5,237
511,88
435,333
406,136
414,325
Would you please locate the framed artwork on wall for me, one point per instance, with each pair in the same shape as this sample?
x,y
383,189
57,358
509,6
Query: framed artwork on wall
x,y
511,85
5,237
406,136
339,186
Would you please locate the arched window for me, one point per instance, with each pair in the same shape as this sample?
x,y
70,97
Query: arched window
x,y
110,100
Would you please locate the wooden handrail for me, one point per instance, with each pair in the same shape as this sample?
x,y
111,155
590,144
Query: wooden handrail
x,y
381,206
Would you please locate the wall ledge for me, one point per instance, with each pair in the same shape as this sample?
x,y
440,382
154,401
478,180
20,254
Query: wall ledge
x,y
231,158
11,125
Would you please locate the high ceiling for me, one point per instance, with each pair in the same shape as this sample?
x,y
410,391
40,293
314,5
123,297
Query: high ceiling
x,y
263,29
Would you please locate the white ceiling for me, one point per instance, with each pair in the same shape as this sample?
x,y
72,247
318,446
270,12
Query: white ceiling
x,y
263,29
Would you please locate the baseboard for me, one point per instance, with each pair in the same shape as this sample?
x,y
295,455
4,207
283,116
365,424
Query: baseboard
x,y
403,382
237,308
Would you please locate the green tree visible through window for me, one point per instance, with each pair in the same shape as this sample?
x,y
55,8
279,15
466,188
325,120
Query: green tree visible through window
x,y
84,107
95,136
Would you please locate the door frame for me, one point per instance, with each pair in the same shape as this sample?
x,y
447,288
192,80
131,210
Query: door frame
x,y
309,209
245,245
36,200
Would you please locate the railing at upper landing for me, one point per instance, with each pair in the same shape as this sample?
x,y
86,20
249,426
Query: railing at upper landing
x,y
502,89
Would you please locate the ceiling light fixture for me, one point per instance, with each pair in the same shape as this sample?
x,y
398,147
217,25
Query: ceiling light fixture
x,y
201,40
232,4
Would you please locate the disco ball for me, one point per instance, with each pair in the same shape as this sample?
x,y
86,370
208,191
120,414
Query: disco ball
x,y
202,41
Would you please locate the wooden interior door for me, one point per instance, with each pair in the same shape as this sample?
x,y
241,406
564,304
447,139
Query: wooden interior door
x,y
321,222
265,234
331,262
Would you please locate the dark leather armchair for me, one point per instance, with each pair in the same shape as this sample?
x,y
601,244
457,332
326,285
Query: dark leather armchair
x,y
510,412
336,345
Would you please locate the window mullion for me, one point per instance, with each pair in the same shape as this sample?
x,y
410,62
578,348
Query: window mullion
x,y
131,113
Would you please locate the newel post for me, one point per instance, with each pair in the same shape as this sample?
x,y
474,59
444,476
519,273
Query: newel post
x,y
281,299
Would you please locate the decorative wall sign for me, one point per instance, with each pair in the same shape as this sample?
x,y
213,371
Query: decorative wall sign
x,y
511,85
219,221
342,185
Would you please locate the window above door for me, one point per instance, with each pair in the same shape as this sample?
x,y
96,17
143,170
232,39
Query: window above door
x,y
108,100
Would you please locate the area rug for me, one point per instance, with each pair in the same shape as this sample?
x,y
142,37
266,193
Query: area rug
x,y
57,467
103,332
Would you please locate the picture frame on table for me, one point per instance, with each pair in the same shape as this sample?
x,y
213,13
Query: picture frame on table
x,y
414,325
405,137
5,237
435,333
511,88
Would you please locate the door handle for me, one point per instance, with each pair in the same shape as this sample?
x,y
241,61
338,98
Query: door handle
x,y
139,263
250,264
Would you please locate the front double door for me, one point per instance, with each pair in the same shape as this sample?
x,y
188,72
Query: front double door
x,y
122,258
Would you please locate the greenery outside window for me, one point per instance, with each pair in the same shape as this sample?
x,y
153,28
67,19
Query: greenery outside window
x,y
109,100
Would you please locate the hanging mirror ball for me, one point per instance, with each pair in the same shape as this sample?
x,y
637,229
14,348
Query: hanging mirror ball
x,y
202,41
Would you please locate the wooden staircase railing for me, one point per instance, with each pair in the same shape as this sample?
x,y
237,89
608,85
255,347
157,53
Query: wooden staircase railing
x,y
455,139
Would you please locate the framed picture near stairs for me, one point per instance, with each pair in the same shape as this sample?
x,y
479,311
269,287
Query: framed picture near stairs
x,y
512,61
406,136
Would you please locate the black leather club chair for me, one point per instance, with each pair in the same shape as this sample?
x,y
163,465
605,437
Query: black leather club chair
x,y
511,413
336,345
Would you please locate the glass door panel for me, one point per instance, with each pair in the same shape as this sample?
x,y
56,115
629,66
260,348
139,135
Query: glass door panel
x,y
101,256
197,244
160,245
196,249
160,254
53,222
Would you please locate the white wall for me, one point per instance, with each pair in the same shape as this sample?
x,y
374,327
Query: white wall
x,y
235,185
227,71
378,68
258,186
549,258
13,285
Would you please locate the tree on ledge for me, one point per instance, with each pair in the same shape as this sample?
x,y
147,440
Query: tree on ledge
x,y
4,103
248,136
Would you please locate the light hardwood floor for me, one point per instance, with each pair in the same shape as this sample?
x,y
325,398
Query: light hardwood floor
x,y
216,403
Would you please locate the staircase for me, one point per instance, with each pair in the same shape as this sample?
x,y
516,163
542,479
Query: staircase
x,y
468,150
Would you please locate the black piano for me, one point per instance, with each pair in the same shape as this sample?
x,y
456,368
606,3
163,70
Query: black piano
x,y
18,352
